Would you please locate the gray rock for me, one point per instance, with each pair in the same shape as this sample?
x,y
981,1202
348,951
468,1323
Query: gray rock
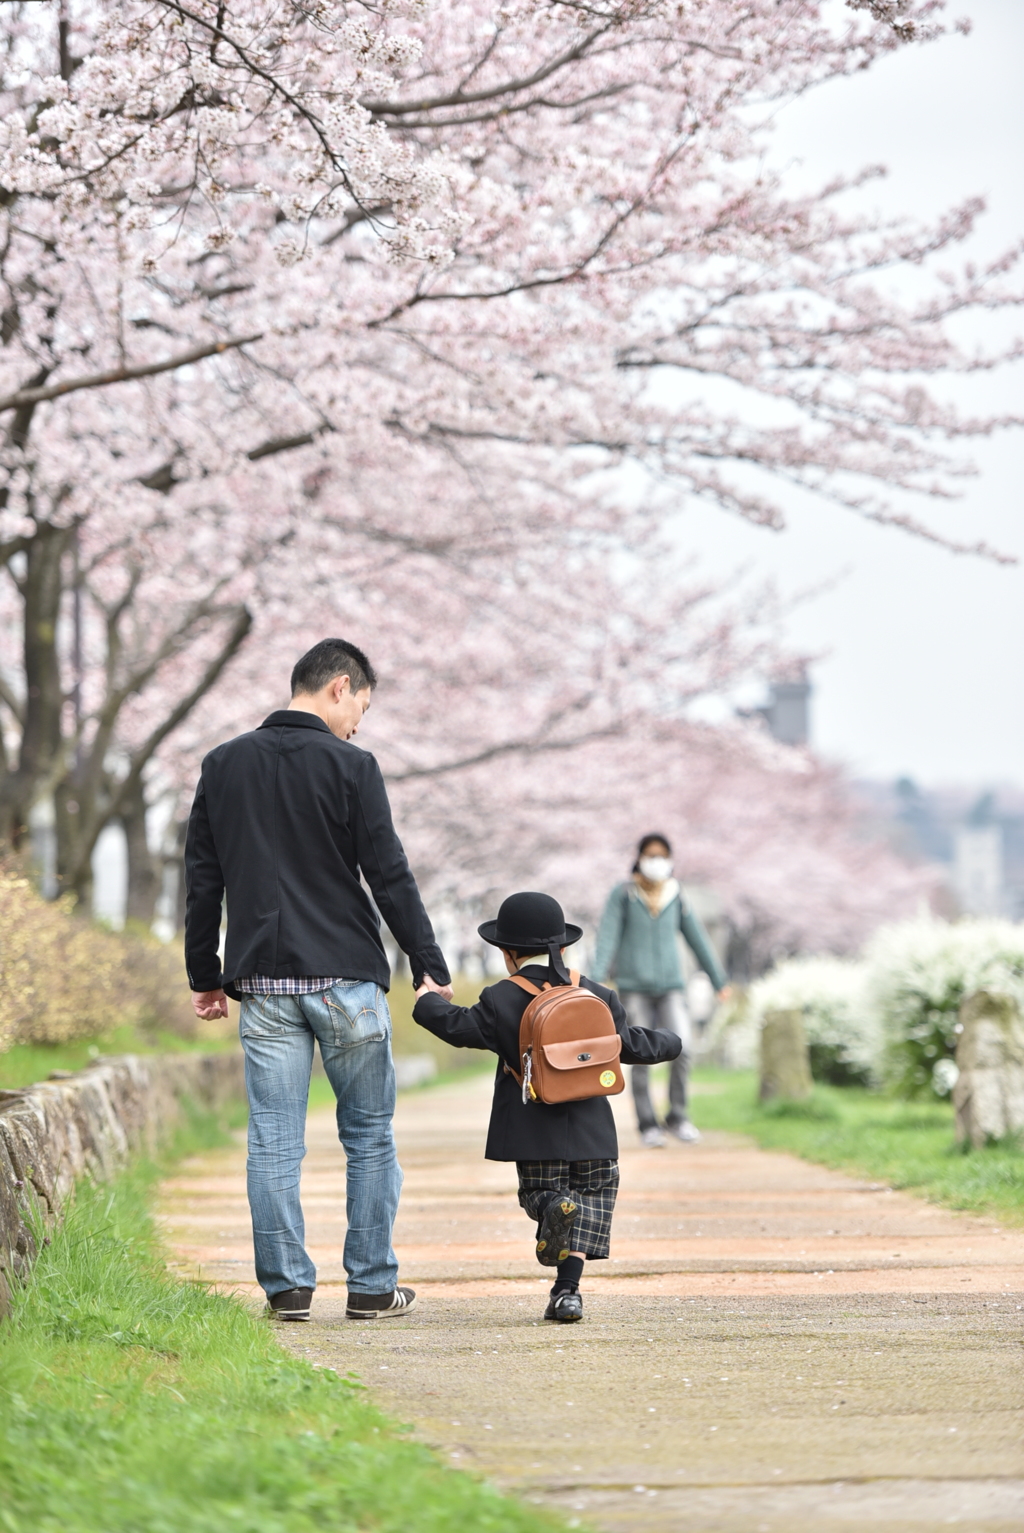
x,y
989,1092
785,1062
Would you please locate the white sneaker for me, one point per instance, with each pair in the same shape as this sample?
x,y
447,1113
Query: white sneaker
x,y
686,1132
653,1138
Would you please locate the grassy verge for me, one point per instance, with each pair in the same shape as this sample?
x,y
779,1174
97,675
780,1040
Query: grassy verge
x,y
132,1403
28,1062
906,1144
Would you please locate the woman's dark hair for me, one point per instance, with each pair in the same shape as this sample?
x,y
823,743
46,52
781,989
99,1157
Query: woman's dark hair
x,y
330,658
645,842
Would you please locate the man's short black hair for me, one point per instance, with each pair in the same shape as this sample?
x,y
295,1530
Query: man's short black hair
x,y
330,658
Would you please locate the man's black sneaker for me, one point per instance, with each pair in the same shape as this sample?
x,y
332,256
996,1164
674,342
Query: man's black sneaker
x,y
380,1306
554,1235
293,1304
565,1307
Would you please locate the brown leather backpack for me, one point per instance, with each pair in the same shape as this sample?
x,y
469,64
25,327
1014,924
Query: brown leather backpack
x,y
568,1045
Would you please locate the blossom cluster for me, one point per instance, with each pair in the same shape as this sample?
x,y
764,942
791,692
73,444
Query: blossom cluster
x,y
326,317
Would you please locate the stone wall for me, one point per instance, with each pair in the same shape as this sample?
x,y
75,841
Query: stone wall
x,y
90,1124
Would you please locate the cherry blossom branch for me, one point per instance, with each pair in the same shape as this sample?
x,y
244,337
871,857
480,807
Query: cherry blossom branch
x,y
463,97
277,87
123,374
531,747
237,634
558,279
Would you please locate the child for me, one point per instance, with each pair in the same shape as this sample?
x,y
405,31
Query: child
x,y
566,1153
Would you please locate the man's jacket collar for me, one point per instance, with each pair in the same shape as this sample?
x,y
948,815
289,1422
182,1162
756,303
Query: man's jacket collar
x,y
296,718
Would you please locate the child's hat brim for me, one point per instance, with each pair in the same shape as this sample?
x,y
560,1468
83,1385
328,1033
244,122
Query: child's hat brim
x,y
530,922
492,932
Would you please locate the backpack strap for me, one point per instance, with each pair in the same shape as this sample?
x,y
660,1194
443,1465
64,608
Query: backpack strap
x,y
527,985
532,989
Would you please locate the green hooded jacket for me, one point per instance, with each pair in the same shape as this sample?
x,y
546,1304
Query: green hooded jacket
x,y
641,952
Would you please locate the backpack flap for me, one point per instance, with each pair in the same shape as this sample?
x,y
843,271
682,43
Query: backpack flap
x,y
578,1053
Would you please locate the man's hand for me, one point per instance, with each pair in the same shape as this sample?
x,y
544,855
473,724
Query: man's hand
x,y
428,984
725,994
209,1004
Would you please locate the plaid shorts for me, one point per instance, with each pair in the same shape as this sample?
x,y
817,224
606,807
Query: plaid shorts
x,y
593,1184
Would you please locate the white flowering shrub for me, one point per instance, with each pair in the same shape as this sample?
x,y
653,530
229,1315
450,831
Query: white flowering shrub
x,y
843,1033
892,1016
918,972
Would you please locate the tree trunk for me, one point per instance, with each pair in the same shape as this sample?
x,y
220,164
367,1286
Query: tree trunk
x,y
41,741
179,904
76,837
785,1062
989,1092
144,870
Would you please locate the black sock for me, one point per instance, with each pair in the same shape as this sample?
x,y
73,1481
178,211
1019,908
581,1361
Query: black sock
x,y
569,1273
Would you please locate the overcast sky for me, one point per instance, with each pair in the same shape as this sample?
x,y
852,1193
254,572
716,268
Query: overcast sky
x,y
923,650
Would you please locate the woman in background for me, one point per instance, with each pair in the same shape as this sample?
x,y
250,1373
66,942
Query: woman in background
x,y
638,947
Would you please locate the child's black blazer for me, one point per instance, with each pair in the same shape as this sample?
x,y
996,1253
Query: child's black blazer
x,y
562,1131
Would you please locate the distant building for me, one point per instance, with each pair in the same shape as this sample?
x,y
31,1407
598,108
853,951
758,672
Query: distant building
x,y
787,712
978,870
978,838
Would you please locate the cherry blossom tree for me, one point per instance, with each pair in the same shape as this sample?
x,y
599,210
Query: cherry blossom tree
x,y
775,833
327,317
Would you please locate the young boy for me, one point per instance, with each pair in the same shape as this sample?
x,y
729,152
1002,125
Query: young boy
x,y
566,1154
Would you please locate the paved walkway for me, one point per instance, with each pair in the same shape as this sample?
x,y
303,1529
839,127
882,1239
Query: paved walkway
x,y
774,1347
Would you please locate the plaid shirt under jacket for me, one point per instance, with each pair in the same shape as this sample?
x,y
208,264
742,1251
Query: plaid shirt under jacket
x,y
295,984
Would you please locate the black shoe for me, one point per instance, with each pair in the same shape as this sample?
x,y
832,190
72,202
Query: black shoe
x,y
554,1235
380,1306
293,1304
566,1307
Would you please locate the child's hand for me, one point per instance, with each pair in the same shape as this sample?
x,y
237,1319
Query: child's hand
x,y
428,985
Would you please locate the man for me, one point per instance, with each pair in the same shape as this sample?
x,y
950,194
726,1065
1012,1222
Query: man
x,y
284,821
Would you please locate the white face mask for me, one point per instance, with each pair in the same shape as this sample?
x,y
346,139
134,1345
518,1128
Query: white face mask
x,y
656,869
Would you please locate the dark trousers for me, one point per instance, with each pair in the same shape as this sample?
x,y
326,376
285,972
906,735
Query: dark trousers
x,y
667,1012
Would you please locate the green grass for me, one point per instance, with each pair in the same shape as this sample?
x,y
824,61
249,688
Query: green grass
x,y
26,1063
132,1403
905,1144
29,1062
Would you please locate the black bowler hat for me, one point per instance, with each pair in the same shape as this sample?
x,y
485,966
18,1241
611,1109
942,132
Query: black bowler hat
x,y
532,923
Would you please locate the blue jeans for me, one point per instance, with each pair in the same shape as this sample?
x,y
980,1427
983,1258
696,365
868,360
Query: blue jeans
x,y
352,1025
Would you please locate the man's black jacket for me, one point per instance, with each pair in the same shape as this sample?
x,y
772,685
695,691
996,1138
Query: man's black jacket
x,y
284,820
539,1130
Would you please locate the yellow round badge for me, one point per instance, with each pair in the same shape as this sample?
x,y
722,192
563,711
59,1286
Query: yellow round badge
x,y
607,1077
